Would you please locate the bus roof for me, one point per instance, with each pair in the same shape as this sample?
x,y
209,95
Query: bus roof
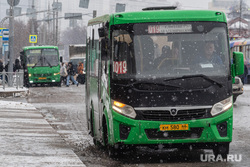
x,y
40,47
160,16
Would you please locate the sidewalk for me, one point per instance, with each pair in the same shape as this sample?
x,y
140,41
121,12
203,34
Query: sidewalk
x,y
28,140
13,91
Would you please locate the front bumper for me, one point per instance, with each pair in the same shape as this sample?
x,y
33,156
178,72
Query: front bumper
x,y
49,79
140,132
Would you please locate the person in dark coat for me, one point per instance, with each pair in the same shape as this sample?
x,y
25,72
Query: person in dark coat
x,y
1,68
244,76
17,66
71,72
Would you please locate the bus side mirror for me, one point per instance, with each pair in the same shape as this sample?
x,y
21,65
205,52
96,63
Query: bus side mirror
x,y
238,60
61,59
101,32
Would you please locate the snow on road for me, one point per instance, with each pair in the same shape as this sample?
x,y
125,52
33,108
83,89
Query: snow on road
x,y
27,139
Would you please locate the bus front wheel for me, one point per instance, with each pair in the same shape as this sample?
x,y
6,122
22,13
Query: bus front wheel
x,y
113,151
91,123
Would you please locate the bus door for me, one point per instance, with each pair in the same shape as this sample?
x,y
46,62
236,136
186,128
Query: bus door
x,y
99,105
101,79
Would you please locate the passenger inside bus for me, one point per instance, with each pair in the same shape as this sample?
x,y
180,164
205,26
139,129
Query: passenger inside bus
x,y
166,53
168,58
210,54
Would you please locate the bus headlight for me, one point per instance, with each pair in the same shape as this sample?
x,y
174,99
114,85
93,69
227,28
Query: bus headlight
x,y
57,73
30,75
222,106
123,109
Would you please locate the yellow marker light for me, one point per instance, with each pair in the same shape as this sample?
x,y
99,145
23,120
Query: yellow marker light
x,y
118,104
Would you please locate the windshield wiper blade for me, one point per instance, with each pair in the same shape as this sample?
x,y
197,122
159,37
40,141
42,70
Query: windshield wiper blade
x,y
196,76
48,62
35,65
40,58
148,83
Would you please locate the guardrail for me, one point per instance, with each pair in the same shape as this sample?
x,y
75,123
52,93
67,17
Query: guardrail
x,y
11,79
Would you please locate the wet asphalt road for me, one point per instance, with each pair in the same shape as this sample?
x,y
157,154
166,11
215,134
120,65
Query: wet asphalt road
x,y
64,108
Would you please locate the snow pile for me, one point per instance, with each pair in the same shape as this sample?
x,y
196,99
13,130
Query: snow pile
x,y
16,105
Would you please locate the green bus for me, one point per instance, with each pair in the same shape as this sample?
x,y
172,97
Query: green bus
x,y
41,65
182,101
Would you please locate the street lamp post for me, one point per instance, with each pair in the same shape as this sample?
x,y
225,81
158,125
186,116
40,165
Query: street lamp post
x,y
12,3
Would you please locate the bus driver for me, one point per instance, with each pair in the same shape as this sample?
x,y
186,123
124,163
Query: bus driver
x,y
210,54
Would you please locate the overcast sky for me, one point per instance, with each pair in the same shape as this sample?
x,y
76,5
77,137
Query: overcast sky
x,y
68,7
187,4
193,4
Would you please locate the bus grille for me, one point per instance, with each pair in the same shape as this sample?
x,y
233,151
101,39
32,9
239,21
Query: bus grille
x,y
42,75
164,115
193,133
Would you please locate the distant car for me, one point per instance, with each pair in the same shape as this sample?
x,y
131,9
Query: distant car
x,y
237,88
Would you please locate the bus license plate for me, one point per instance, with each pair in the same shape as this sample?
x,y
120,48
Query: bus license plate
x,y
174,127
42,78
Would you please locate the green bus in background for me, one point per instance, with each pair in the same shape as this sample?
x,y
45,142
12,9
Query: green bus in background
x,y
41,65
183,100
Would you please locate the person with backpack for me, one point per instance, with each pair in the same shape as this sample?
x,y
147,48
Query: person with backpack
x,y
71,72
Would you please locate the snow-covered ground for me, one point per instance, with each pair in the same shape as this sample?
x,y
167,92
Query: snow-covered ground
x,y
64,109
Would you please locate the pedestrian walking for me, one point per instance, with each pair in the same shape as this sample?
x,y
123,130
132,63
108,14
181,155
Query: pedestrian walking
x,y
244,76
63,73
81,75
71,72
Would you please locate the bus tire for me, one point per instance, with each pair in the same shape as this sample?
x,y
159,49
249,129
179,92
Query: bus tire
x,y
221,149
91,123
113,151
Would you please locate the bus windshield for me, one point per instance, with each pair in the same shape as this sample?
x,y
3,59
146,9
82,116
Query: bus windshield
x,y
42,57
167,50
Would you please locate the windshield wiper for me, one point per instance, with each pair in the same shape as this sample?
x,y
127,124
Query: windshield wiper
x,y
48,62
196,76
149,83
40,58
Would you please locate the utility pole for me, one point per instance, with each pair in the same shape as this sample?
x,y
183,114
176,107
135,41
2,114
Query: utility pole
x,y
54,34
56,25
49,26
240,18
32,21
11,44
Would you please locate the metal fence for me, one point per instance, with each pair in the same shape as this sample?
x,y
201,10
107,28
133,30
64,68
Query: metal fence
x,y
11,79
